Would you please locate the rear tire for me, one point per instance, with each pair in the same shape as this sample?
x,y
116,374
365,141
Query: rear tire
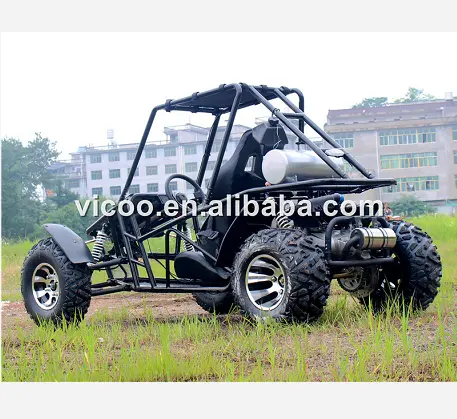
x,y
53,288
281,274
412,281
215,302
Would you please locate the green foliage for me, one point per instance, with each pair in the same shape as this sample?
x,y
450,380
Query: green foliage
x,y
414,95
372,102
62,196
24,168
67,215
410,206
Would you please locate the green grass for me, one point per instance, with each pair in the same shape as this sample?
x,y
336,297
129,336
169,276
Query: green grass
x,y
346,344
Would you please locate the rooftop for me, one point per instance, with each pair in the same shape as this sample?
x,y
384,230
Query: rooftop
x,y
442,109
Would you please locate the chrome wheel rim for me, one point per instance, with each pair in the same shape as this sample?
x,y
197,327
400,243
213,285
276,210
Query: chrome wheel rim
x,y
265,282
45,286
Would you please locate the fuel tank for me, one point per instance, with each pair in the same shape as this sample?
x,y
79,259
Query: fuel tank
x,y
277,165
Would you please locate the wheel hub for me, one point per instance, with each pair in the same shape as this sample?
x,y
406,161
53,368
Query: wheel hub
x,y
265,282
45,286
360,282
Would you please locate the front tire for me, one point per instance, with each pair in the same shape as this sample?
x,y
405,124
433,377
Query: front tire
x,y
281,274
53,288
215,302
413,280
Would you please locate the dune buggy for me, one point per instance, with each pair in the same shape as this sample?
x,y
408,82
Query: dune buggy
x,y
277,266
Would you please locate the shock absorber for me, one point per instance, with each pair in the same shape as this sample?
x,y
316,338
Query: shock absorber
x,y
282,220
187,233
97,250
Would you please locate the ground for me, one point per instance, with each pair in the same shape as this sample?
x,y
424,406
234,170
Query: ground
x,y
132,337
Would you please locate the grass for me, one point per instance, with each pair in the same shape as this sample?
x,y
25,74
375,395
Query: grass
x,y
347,344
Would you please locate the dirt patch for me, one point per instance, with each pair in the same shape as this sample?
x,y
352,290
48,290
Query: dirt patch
x,y
164,306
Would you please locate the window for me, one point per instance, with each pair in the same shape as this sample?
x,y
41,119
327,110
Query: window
x,y
344,139
131,155
97,191
137,171
249,164
412,184
455,180
169,151
151,153
134,189
454,132
114,173
151,170
407,136
173,138
95,158
96,175
207,183
217,146
153,187
174,186
170,169
190,149
455,156
113,157
191,167
211,165
189,186
405,161
72,183
115,190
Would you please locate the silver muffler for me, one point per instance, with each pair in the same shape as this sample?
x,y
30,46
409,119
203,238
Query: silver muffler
x,y
374,238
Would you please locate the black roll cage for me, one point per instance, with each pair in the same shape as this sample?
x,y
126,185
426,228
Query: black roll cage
x,y
227,98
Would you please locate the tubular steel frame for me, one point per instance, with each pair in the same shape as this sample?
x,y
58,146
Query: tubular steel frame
x,y
165,284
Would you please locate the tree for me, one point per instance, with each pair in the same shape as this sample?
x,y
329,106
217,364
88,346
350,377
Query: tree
x,y
67,215
410,206
62,195
23,169
372,102
414,95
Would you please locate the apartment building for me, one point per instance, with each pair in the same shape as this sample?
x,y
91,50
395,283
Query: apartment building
x,y
103,170
415,143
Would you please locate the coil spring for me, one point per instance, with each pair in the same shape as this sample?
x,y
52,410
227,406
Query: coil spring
x,y
98,249
282,220
187,232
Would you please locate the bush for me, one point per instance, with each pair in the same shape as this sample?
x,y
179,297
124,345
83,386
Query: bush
x,y
410,206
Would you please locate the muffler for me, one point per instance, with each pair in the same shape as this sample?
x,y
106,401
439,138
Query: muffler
x,y
373,238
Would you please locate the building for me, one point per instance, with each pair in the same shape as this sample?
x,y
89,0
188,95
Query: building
x,y
415,143
68,172
103,170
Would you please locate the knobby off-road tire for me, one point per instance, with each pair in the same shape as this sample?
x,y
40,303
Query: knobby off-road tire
x,y
48,268
215,302
413,280
299,267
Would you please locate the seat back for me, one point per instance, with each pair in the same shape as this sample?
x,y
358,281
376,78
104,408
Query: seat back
x,y
233,176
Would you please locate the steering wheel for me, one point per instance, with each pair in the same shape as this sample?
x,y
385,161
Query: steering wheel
x,y
179,197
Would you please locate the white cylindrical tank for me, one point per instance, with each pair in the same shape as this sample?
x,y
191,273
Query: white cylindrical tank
x,y
277,165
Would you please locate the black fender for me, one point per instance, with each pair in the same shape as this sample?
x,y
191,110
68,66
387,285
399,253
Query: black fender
x,y
71,244
239,230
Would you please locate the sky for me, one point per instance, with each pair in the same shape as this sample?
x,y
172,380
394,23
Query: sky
x,y
73,87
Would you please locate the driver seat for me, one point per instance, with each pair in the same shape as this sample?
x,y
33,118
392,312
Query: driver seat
x,y
233,176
